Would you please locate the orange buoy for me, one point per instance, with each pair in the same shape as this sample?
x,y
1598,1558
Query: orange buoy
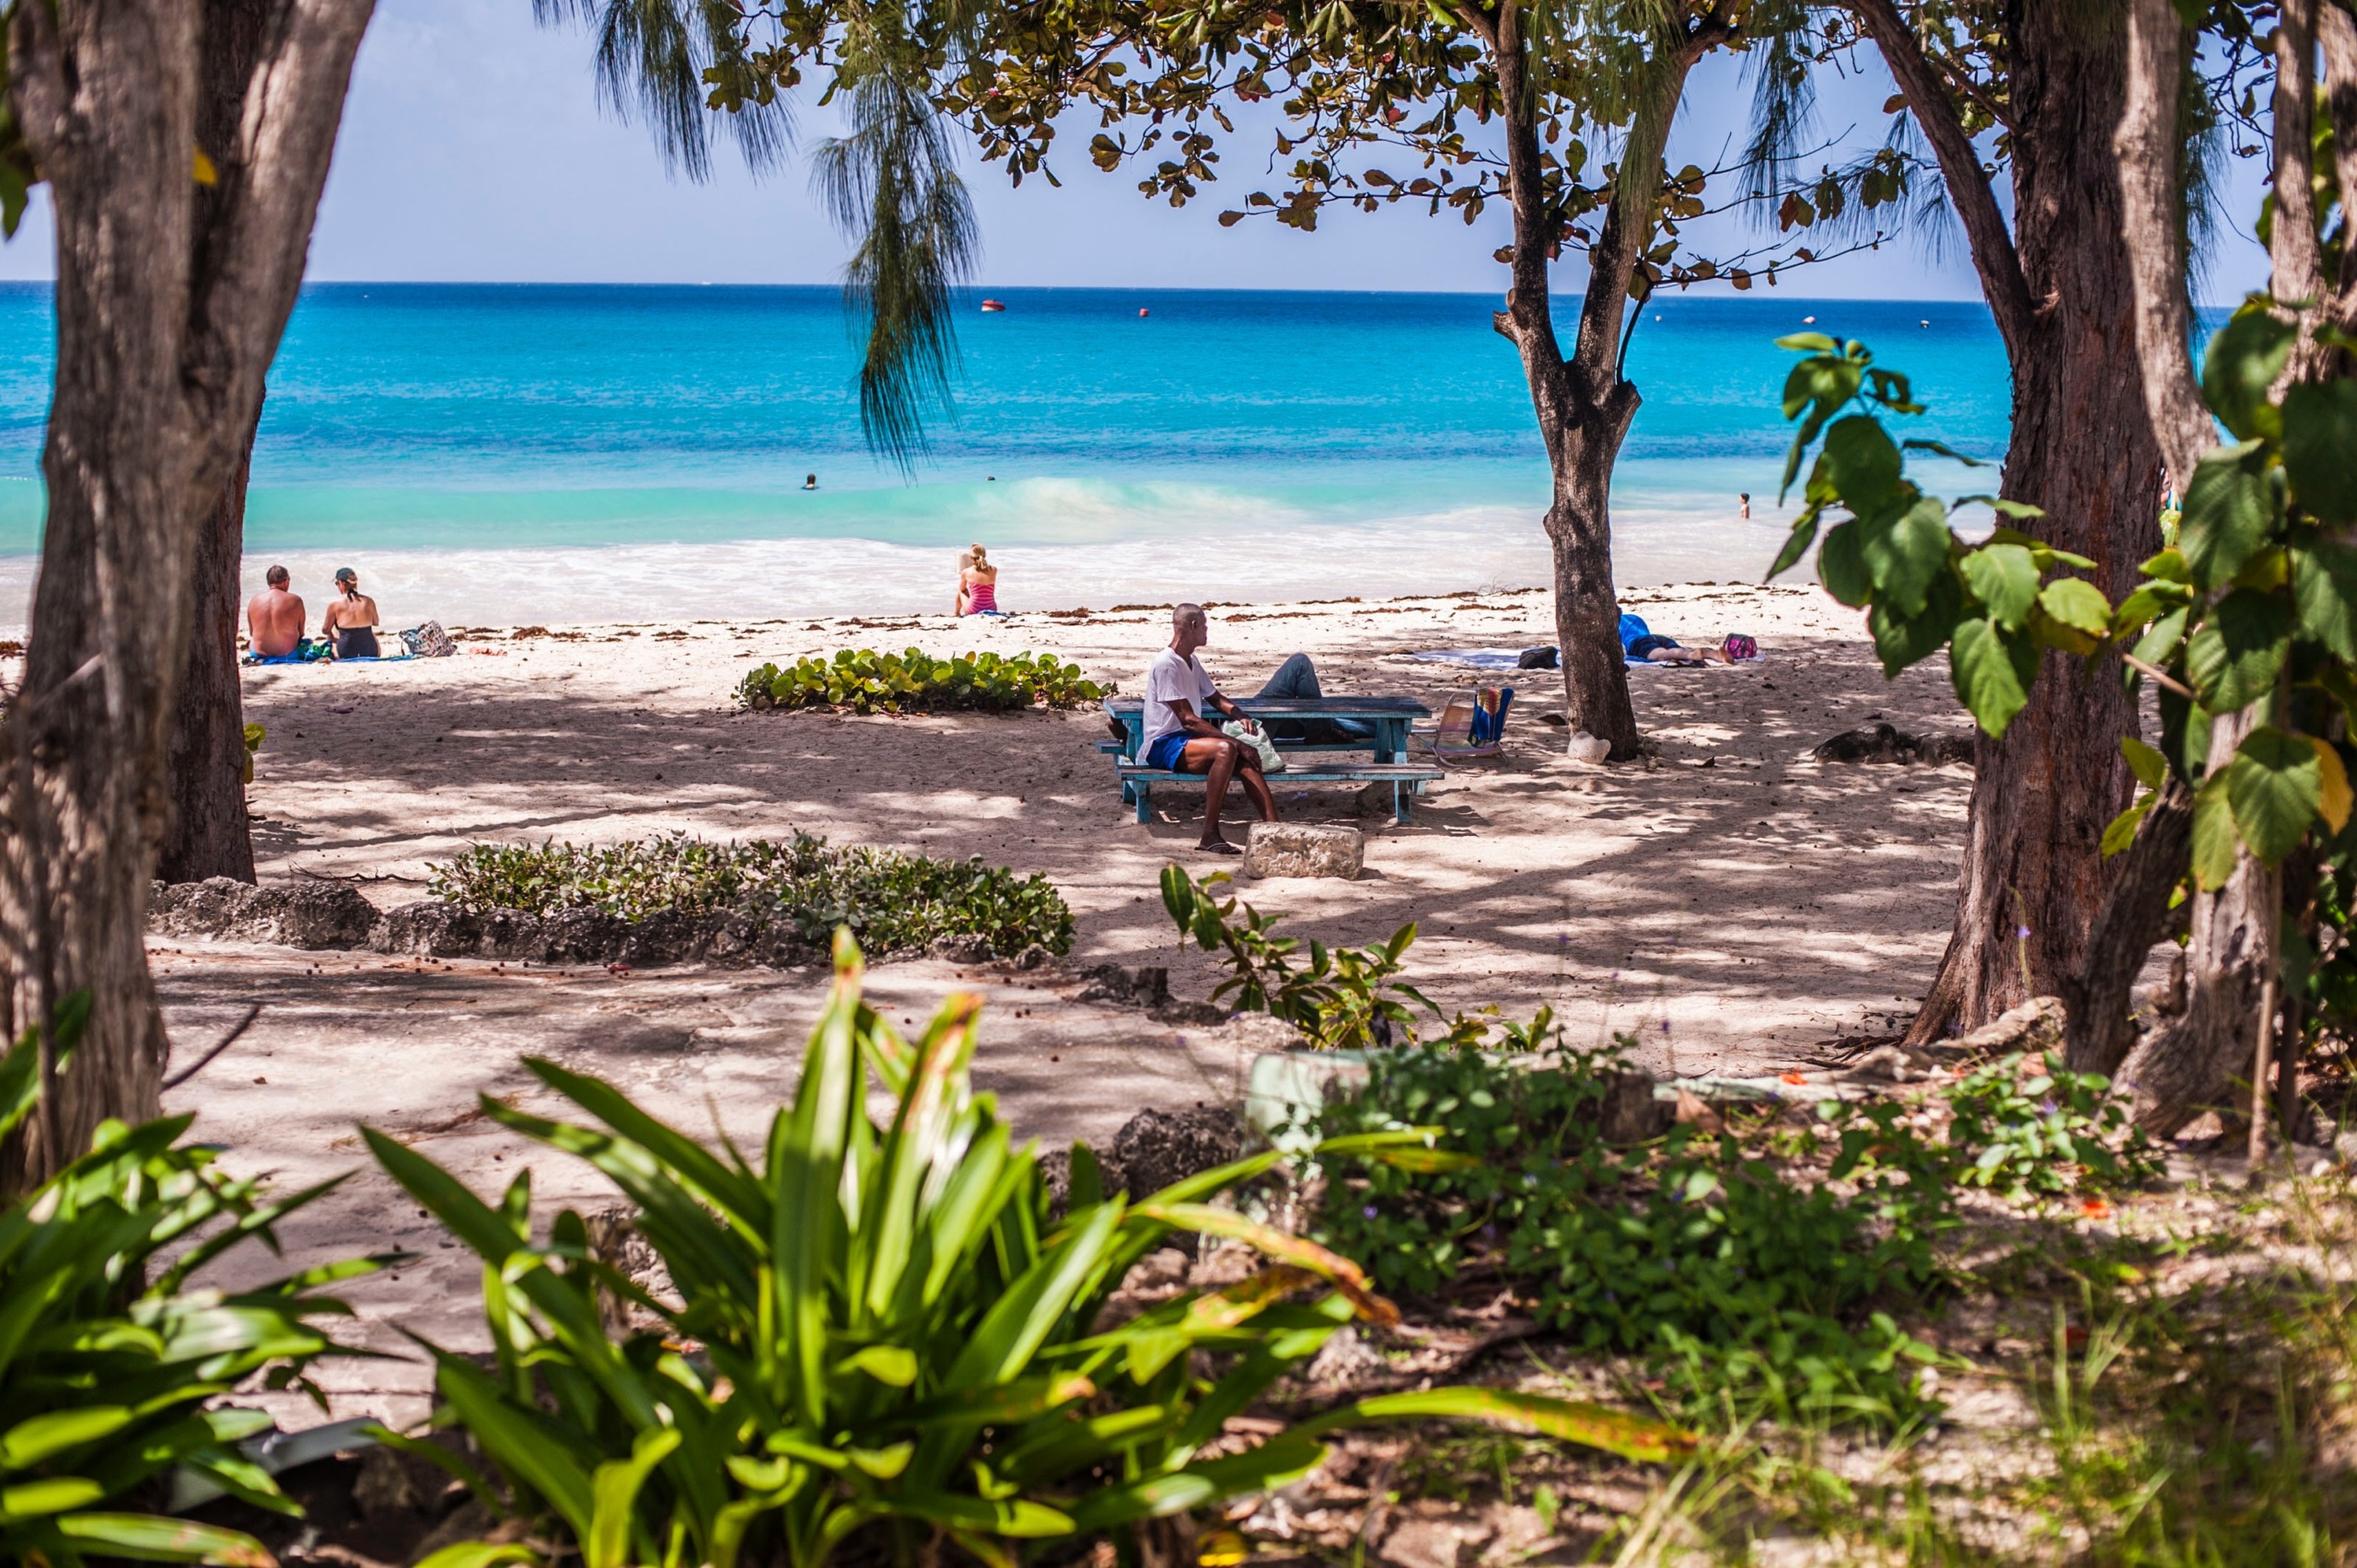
x,y
1141,311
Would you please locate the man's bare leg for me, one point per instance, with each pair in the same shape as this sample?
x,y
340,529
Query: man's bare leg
x,y
1219,760
1255,783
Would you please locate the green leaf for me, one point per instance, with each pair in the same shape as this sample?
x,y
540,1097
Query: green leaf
x,y
478,1554
29,1442
615,1490
2320,447
2121,831
1864,464
1803,343
895,1366
1279,1462
2216,845
2229,516
1594,1426
52,1494
2276,788
2324,595
2004,579
1906,554
2078,603
1841,568
1796,544
149,1538
2232,662
1902,640
2152,769
2244,360
1987,671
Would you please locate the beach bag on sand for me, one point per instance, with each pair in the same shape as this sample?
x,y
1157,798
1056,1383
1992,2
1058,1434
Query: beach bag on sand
x,y
1740,646
1253,735
428,641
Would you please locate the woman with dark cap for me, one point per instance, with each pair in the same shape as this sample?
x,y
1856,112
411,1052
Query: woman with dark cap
x,y
351,620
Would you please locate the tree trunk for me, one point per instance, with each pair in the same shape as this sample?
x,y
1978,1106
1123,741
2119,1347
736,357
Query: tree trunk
x,y
2083,451
166,325
1584,404
208,833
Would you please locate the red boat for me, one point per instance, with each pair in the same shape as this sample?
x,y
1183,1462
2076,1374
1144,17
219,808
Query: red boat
x,y
993,303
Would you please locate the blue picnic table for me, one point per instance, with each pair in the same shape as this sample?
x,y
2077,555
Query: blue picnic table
x,y
1385,719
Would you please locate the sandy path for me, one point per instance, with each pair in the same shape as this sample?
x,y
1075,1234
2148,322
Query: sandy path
x,y
1731,902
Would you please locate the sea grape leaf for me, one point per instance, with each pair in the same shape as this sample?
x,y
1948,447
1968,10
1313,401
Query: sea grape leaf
x,y
2320,447
1987,673
2276,787
2334,798
2215,843
1840,568
1803,534
2228,515
2185,734
2121,831
2004,579
1901,640
2152,769
2076,602
2234,659
1863,463
1906,553
2243,362
2324,595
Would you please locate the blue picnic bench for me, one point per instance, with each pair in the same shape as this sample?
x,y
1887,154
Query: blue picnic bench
x,y
1385,719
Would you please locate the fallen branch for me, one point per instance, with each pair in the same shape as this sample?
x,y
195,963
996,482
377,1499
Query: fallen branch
x,y
182,1076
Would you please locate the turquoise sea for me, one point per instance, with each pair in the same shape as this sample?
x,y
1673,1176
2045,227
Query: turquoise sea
x,y
572,453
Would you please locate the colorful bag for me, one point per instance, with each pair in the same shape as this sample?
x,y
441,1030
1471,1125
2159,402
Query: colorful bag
x,y
1740,646
1253,735
428,641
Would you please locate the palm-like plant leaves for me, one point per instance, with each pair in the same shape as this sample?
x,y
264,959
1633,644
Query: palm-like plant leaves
x,y
884,1329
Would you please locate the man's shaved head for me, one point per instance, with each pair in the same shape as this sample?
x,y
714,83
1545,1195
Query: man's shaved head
x,y
1189,615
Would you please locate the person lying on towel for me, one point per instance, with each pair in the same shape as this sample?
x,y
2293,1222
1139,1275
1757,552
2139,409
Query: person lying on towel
x,y
1180,738
1642,644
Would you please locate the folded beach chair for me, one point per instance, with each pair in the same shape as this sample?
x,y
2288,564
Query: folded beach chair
x,y
1473,725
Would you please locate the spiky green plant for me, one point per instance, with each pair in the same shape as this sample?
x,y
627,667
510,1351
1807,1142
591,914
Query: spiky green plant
x,y
883,1331
111,1359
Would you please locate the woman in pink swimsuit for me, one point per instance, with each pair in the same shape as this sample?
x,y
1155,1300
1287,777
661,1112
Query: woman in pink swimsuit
x,y
977,584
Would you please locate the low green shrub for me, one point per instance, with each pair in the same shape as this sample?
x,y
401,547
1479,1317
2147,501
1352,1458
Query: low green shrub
x,y
883,1341
1691,1250
893,901
112,1363
2033,1134
867,681
1343,998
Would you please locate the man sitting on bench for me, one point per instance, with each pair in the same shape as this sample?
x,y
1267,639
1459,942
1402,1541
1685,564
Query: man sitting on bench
x,y
1181,740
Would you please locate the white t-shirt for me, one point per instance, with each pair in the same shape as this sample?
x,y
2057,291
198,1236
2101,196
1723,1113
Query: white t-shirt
x,y
1168,679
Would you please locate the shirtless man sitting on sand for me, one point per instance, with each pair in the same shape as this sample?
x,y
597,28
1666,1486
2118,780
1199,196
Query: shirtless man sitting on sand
x,y
274,616
1178,738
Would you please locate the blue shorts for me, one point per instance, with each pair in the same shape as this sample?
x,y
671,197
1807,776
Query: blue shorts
x,y
1640,646
1167,753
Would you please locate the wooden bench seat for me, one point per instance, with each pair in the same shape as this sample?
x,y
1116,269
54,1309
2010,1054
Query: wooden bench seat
x,y
1405,779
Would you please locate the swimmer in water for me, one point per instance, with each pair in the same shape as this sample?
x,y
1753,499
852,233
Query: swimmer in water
x,y
810,481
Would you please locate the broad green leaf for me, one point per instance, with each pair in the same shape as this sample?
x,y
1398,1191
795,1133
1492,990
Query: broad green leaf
x,y
1594,1426
532,1446
2232,662
614,1490
1841,568
2333,800
1987,675
1279,1462
2121,831
2169,566
1864,464
2320,449
1796,544
2216,845
1282,1246
892,1364
2004,579
1902,640
1015,1518
1804,342
2276,788
2152,769
29,1443
479,1554
2323,593
147,1538
1904,555
52,1494
2229,516
2243,359
2078,603
2147,604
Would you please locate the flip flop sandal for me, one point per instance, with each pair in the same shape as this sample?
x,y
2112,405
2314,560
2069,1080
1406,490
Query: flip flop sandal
x,y
1222,847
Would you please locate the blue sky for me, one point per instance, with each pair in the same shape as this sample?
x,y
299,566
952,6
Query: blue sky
x,y
474,149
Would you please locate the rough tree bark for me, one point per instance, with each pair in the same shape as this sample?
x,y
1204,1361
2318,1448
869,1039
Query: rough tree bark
x,y
2056,281
207,833
165,328
2180,1070
1584,403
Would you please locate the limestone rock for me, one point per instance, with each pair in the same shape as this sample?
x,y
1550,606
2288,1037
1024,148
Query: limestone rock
x,y
309,914
1299,849
1586,748
1633,1113
967,948
1888,743
1889,1065
1146,986
1156,1148
428,928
